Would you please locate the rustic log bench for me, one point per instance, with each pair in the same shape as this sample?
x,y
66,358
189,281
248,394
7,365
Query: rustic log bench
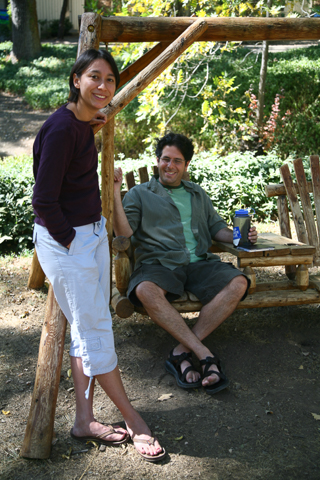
x,y
296,256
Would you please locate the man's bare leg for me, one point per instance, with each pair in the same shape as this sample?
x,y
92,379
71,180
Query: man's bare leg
x,y
85,423
211,316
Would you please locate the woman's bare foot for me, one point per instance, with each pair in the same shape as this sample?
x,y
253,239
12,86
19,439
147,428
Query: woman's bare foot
x,y
96,429
148,444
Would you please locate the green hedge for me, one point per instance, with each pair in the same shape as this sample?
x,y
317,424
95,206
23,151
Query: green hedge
x,y
16,214
234,181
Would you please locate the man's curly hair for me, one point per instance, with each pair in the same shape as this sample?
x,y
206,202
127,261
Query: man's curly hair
x,y
177,140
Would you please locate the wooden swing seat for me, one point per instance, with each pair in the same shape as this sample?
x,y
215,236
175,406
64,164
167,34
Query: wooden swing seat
x,y
295,256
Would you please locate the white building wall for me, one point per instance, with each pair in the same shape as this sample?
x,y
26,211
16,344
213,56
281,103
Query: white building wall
x,y
51,9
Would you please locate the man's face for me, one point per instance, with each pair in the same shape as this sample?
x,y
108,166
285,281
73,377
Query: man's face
x,y
172,166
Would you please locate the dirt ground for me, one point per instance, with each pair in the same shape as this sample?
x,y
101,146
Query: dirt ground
x,y
265,426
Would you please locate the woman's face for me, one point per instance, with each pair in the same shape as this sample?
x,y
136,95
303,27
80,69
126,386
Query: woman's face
x,y
97,86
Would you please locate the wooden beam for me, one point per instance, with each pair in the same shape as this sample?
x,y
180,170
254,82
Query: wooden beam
x,y
158,29
89,33
281,298
130,72
39,431
153,70
275,261
275,190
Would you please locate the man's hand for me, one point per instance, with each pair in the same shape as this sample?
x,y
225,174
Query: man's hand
x,y
253,235
117,180
120,223
98,119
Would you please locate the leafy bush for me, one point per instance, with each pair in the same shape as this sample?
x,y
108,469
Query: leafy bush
x,y
234,181
231,182
16,214
214,107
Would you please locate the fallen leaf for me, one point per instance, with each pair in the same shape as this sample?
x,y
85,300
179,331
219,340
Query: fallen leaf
x,y
69,373
6,412
301,367
67,457
177,439
96,444
165,396
315,416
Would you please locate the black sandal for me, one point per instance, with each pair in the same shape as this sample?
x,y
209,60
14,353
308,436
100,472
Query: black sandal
x,y
222,383
173,366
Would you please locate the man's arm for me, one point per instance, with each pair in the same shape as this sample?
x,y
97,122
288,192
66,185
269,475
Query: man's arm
x,y
120,223
226,235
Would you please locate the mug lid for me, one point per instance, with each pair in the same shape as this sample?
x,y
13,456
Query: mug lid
x,y
241,212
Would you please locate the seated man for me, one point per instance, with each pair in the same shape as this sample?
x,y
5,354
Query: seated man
x,y
172,222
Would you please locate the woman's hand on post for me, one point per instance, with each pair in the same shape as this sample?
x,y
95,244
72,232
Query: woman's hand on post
x,y
98,119
253,235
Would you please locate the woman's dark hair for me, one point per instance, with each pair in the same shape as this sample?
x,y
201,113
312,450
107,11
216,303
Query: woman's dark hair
x,y
177,140
83,62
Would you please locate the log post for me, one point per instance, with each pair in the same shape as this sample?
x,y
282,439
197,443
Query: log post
x,y
39,431
107,181
121,305
153,70
302,277
89,33
107,176
37,275
250,273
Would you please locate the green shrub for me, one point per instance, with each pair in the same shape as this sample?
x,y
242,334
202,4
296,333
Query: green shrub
x,y
231,182
16,214
234,181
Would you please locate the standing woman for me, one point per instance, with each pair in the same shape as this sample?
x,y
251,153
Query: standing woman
x,y
72,247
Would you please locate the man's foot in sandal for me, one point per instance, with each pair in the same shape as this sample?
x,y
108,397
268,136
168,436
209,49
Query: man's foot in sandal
x,y
182,368
213,378
147,446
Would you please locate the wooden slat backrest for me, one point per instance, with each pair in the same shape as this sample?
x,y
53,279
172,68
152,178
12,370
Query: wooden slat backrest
x,y
130,181
143,175
294,204
307,207
315,174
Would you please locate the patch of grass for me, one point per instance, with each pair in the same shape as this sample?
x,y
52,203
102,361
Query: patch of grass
x,y
44,80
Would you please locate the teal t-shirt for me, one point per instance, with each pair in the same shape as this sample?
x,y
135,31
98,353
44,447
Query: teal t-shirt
x,y
182,200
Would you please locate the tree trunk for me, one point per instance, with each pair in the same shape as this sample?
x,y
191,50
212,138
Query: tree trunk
x,y
62,18
25,31
263,76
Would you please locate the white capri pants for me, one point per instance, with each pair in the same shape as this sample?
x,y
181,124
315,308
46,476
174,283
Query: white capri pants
x,y
80,277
